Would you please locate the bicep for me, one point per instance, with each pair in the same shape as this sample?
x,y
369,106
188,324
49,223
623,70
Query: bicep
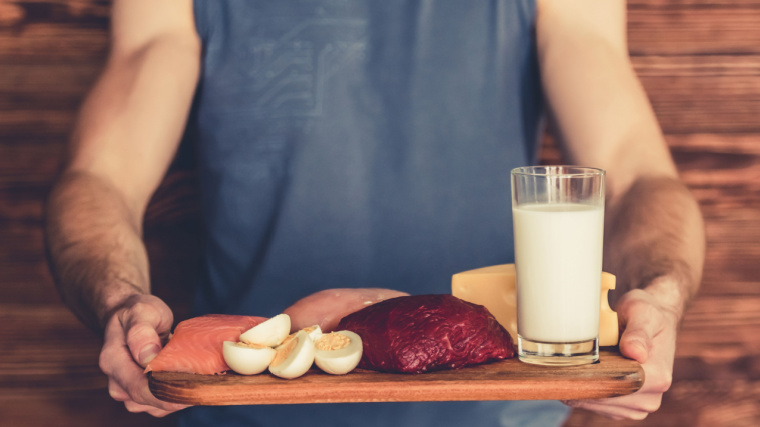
x,y
589,18
601,110
132,121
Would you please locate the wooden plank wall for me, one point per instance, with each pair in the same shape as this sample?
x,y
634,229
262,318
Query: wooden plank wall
x,y
698,60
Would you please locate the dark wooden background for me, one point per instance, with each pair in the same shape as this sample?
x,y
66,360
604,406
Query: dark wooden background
x,y
698,60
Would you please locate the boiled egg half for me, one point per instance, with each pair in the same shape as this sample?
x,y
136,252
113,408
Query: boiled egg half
x,y
314,332
271,332
338,352
294,356
247,359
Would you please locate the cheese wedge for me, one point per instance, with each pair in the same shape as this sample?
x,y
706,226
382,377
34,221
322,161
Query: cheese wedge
x,y
495,288
609,334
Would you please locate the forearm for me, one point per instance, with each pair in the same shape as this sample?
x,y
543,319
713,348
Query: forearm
x,y
126,136
654,239
654,236
94,245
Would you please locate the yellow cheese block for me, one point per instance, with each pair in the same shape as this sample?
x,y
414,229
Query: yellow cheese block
x,y
609,334
494,288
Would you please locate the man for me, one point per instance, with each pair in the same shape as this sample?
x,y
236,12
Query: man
x,y
363,144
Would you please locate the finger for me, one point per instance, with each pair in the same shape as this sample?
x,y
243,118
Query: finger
x,y
614,412
642,322
638,402
143,324
658,370
133,380
648,398
113,346
116,392
136,407
127,382
658,374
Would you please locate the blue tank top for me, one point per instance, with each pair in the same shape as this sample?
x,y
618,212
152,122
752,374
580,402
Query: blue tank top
x,y
357,144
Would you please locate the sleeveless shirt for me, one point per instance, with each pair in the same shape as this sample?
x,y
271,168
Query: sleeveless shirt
x,y
358,143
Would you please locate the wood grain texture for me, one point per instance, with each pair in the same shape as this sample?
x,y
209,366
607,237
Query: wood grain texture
x,y
504,380
41,345
657,28
703,94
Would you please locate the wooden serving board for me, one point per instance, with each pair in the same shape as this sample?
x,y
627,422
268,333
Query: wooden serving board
x,y
503,380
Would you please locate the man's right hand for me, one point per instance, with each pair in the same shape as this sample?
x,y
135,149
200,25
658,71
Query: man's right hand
x,y
134,335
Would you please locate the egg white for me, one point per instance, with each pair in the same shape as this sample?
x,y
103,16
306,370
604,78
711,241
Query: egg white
x,y
315,332
270,332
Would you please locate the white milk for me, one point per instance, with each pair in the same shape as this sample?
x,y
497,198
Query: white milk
x,y
558,253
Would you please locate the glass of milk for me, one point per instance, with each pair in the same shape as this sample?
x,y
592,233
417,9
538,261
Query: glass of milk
x,y
558,217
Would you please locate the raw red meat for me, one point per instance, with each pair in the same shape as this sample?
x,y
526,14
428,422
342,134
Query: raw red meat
x,y
420,333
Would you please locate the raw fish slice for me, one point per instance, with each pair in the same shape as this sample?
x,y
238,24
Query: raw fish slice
x,y
196,346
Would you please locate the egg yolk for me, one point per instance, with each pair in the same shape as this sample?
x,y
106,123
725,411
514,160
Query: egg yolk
x,y
284,351
332,341
250,345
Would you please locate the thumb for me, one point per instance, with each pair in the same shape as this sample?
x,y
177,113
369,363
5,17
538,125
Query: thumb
x,y
143,342
640,328
142,327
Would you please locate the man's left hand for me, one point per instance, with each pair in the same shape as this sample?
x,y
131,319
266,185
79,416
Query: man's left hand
x,y
649,337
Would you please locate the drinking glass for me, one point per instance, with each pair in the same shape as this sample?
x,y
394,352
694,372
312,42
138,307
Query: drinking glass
x,y
558,218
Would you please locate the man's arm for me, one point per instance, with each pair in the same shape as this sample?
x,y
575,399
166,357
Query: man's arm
x,y
128,131
654,236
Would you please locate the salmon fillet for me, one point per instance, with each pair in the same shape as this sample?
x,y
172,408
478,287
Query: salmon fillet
x,y
196,346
